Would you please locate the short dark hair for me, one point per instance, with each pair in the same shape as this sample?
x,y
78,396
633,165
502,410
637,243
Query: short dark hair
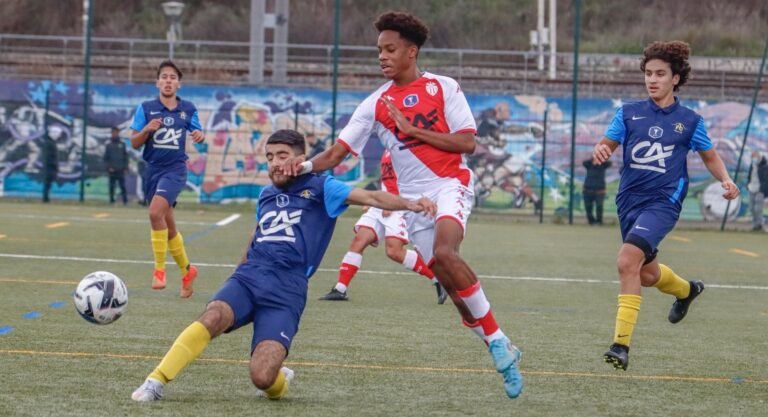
x,y
410,27
168,64
289,137
674,53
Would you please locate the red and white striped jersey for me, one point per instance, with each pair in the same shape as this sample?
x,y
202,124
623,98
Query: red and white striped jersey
x,y
388,175
431,102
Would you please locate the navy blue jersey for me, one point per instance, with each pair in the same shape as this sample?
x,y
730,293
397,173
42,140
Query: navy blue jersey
x,y
656,144
295,224
166,146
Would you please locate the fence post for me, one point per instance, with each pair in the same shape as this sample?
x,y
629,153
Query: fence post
x,y
543,164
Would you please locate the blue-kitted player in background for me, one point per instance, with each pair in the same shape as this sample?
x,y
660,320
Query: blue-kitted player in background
x,y
296,217
657,135
161,126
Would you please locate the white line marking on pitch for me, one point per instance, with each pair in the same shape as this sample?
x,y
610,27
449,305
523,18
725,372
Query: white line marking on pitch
x,y
228,220
388,273
95,219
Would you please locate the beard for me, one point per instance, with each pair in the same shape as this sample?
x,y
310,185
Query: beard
x,y
280,180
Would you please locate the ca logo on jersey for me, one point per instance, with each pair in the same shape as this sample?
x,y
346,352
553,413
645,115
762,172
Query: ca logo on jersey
x,y
166,138
645,154
278,226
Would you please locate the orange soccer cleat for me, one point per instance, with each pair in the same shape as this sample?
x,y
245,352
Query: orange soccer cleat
x,y
186,282
158,279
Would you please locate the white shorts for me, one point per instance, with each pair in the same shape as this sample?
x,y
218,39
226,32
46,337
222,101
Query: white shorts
x,y
393,226
454,202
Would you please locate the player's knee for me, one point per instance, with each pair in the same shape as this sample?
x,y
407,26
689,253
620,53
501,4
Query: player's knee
x,y
217,318
262,378
156,215
445,255
627,266
396,253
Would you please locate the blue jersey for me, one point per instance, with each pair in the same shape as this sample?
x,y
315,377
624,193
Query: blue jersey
x,y
166,146
295,224
656,144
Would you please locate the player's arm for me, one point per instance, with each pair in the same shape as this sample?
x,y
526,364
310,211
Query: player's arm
x,y
323,161
459,142
388,201
603,150
196,129
717,168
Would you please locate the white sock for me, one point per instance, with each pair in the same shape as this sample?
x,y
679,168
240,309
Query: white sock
x,y
341,287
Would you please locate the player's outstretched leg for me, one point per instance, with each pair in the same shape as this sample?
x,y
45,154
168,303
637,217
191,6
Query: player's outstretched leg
x,y
685,292
347,270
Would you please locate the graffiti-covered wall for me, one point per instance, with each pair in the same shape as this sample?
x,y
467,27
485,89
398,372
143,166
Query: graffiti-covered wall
x,y
230,165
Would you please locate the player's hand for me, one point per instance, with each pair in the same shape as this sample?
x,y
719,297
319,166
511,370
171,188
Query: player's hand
x,y
423,205
197,136
601,153
153,125
403,124
292,166
731,190
386,213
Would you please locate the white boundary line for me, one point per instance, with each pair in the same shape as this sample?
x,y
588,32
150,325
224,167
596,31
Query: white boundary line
x,y
499,277
228,220
94,219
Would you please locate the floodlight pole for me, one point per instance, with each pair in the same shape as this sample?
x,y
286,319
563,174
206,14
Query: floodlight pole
x,y
746,130
173,11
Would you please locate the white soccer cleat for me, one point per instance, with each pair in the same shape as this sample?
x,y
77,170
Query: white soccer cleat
x,y
150,390
288,377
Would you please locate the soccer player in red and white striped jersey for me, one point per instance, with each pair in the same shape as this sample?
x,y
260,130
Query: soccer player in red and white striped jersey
x,y
425,122
377,225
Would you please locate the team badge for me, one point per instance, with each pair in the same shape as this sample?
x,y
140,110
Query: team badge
x,y
431,88
168,121
679,127
282,200
183,115
411,100
306,194
655,132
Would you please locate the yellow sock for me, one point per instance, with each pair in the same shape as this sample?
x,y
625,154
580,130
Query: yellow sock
x,y
159,247
187,347
278,388
176,247
671,283
626,317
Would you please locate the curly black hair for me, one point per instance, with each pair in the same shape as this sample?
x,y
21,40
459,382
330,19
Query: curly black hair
x,y
168,64
410,27
675,53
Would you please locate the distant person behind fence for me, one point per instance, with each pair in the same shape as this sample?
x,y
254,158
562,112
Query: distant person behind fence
x,y
594,190
315,144
116,163
50,165
757,185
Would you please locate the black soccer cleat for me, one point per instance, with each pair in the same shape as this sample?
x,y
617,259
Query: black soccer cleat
x,y
335,295
680,307
618,356
442,294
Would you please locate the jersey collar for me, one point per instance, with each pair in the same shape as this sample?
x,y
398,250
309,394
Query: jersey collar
x,y
160,103
666,110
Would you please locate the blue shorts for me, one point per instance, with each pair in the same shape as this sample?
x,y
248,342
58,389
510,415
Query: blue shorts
x,y
270,298
167,182
645,225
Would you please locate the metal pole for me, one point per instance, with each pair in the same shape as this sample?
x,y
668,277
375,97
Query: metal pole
x,y
575,100
552,39
543,165
256,48
86,94
540,35
296,116
746,130
336,22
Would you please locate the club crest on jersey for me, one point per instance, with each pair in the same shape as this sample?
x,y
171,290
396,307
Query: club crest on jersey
x,y
411,100
306,194
183,115
655,153
282,200
431,88
655,132
679,127
168,121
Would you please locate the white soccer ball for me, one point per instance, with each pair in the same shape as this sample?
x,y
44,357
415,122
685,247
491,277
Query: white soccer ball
x,y
101,297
